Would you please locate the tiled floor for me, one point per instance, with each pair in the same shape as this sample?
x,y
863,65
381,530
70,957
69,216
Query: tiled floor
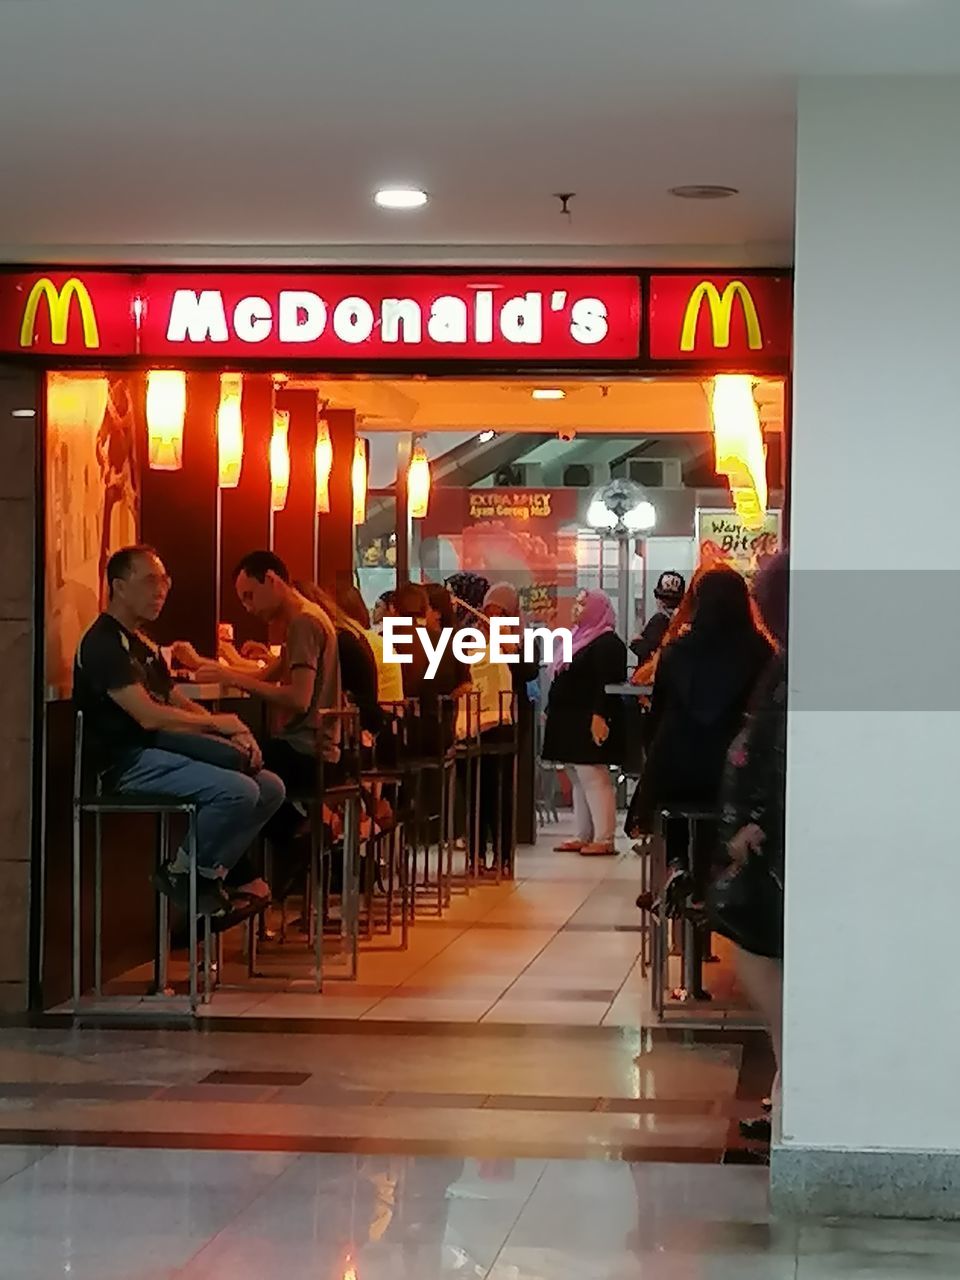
x,y
559,946
95,1214
491,1090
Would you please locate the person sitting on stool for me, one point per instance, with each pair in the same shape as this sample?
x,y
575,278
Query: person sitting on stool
x,y
123,687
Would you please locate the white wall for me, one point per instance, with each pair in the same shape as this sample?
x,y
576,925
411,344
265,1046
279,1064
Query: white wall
x,y
873,905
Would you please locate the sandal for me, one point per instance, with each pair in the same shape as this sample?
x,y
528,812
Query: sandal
x,y
568,846
598,851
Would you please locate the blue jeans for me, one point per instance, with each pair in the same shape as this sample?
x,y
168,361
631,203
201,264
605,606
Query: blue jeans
x,y
233,807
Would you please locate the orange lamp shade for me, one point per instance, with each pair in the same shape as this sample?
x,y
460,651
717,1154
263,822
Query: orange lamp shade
x,y
166,410
230,430
76,402
323,464
738,446
280,460
418,482
358,480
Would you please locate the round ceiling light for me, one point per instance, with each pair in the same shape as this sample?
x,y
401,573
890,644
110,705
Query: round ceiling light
x,y
548,393
704,191
400,198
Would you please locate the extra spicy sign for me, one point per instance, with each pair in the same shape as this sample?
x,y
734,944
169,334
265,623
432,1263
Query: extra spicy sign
x,y
250,315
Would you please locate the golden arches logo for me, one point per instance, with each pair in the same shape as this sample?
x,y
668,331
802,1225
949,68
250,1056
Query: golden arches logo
x,y
721,315
59,302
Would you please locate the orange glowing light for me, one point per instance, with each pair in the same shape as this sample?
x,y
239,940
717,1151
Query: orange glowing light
x,y
279,460
418,482
738,446
230,430
76,402
166,411
323,464
358,480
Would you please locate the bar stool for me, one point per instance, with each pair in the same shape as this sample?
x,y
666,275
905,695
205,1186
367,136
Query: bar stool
x,y
98,802
691,949
505,753
346,791
468,752
435,760
388,770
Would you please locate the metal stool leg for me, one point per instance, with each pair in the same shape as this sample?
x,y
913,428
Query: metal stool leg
x,y
192,927
98,907
318,904
163,910
351,875
77,818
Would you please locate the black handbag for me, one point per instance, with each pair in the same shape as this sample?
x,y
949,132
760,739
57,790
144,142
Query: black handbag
x,y
745,904
206,748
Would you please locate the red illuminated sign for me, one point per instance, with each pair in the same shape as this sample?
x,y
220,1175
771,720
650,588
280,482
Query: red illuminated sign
x,y
244,315
499,318
67,313
735,319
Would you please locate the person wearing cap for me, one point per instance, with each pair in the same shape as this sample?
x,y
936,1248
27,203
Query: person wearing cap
x,y
668,593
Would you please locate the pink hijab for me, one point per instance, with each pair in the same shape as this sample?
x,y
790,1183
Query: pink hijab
x,y
597,619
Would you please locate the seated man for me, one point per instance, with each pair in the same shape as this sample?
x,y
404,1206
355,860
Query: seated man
x,y
298,686
124,689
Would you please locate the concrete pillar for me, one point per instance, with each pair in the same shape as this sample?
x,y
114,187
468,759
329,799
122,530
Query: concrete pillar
x,y
872,1010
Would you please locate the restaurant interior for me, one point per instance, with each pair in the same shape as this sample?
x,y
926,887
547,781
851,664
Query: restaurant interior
x,y
554,485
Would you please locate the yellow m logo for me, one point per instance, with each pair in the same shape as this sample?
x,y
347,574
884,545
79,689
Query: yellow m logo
x,y
721,314
58,305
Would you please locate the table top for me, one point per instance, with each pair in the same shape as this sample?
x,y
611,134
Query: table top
x,y
630,690
208,692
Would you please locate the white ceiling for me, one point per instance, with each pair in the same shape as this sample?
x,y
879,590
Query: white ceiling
x,y
192,129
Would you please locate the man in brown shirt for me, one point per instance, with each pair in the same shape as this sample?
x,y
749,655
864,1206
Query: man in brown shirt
x,y
302,683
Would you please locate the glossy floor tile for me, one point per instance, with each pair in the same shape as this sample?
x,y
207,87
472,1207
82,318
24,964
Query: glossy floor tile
x,y
97,1214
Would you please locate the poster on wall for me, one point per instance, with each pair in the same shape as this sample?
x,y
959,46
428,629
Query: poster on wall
x,y
92,506
723,537
523,536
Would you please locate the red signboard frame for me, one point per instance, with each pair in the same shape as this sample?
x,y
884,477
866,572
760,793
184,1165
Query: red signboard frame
x,y
685,321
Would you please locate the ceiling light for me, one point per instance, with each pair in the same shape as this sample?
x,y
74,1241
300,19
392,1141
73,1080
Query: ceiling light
x,y
486,436
703,191
23,413
400,198
548,393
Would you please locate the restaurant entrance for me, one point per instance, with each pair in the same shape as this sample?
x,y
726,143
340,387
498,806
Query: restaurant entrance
x,y
213,414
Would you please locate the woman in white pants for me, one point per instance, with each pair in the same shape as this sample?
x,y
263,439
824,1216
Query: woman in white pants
x,y
584,729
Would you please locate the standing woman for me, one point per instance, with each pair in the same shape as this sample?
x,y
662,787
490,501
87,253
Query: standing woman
x,y
584,730
704,683
746,905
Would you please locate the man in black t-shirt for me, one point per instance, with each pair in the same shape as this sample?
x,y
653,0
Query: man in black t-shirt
x,y
124,689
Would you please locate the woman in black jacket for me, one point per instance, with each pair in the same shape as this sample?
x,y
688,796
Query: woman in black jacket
x,y
703,685
752,831
584,729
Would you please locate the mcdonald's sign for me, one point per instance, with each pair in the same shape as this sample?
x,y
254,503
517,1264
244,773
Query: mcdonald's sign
x,y
59,302
721,315
721,320
67,313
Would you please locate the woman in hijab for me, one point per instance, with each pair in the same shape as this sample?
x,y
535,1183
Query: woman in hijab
x,y
704,682
584,723
753,830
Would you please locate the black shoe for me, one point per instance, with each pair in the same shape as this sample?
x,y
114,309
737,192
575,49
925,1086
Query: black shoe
x,y
676,891
212,898
759,1130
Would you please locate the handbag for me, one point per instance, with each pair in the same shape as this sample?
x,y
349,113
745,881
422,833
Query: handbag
x,y
206,748
745,904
